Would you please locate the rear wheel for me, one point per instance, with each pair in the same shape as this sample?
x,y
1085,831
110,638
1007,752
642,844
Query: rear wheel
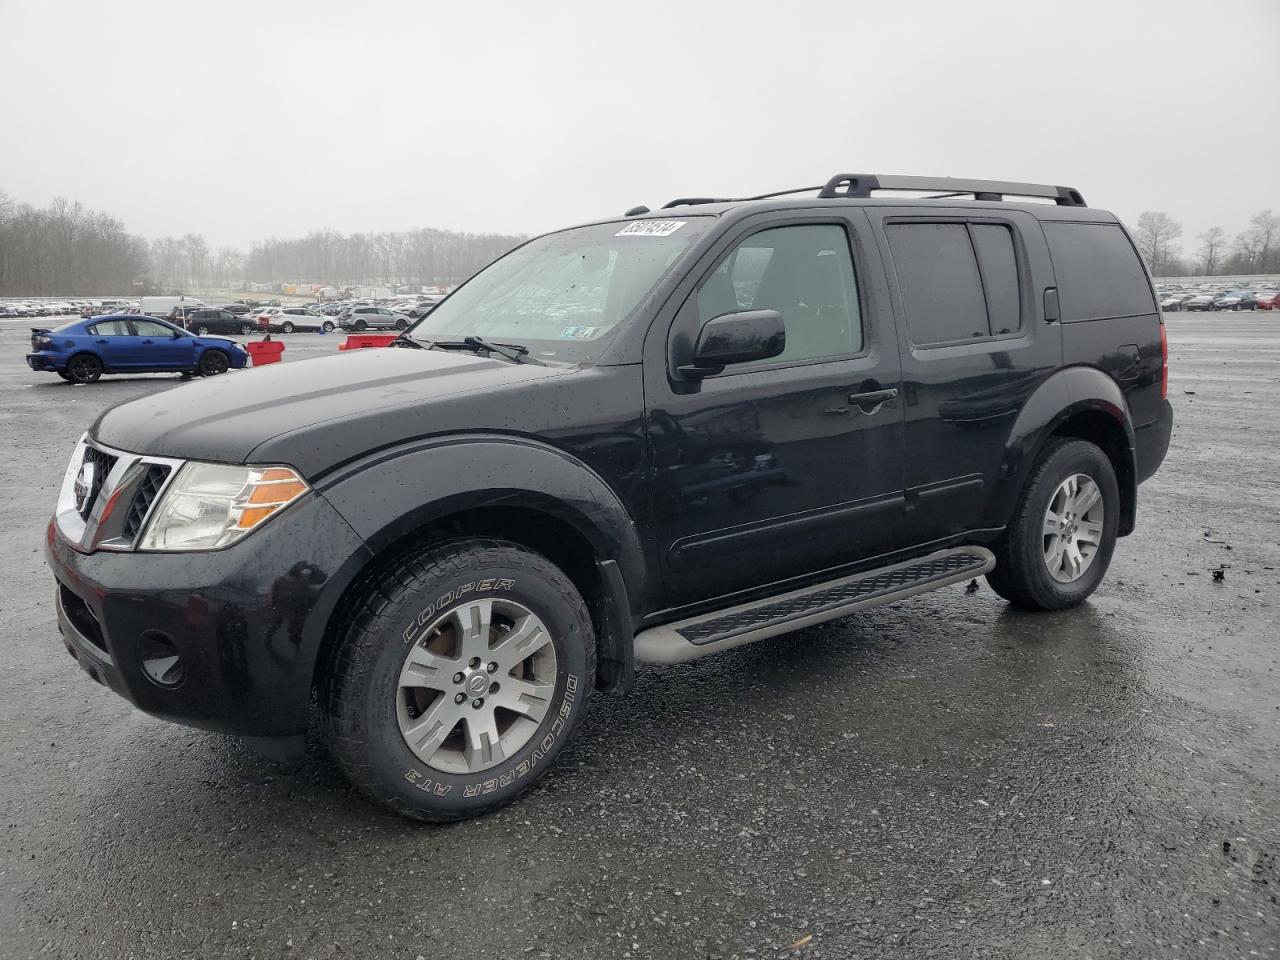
x,y
286,327
66,376
202,331
360,326
246,330
84,368
213,362
402,324
463,671
327,326
1057,549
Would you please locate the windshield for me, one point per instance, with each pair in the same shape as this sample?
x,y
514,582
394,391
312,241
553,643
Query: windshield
x,y
559,295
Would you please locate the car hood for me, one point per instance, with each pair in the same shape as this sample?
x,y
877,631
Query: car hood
x,y
316,413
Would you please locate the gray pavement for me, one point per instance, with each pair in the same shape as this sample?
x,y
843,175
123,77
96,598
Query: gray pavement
x,y
940,778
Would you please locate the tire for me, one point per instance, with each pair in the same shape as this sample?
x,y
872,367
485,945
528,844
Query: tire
x,y
402,325
360,326
84,368
66,376
1023,574
202,331
246,330
212,363
286,327
327,326
414,600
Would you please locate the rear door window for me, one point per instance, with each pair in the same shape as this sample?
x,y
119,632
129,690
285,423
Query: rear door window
x,y
939,282
1098,270
109,328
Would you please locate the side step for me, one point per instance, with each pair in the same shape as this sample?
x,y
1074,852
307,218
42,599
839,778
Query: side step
x,y
732,627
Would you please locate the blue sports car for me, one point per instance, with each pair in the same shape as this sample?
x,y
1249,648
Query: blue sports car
x,y
83,351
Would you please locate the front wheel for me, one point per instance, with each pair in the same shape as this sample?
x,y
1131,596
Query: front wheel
x,y
1057,549
286,327
246,330
213,362
402,325
360,326
327,326
202,331
463,670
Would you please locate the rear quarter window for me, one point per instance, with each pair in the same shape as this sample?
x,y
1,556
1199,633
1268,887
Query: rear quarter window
x,y
1098,270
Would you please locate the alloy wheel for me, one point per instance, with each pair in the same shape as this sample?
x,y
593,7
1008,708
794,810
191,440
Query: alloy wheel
x,y
1073,525
476,685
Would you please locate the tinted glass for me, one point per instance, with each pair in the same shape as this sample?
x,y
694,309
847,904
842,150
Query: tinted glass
x,y
939,282
149,328
803,272
999,267
1099,273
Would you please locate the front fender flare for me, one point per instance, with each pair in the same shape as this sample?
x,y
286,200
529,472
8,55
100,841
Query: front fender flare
x,y
388,495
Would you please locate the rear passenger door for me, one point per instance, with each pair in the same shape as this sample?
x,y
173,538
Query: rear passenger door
x,y
968,294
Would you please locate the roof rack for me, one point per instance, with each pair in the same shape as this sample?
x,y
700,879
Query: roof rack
x,y
860,185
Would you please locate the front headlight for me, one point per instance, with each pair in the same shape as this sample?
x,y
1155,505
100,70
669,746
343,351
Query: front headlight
x,y
211,505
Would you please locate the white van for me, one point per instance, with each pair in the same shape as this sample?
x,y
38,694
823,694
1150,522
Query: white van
x,y
163,306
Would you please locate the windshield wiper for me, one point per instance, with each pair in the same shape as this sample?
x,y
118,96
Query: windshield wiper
x,y
515,352
404,340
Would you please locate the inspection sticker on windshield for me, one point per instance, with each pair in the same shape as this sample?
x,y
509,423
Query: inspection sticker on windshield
x,y
651,228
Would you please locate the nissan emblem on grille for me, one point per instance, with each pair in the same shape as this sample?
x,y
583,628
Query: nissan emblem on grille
x,y
85,485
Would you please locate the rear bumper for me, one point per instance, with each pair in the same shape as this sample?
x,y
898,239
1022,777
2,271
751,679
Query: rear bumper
x,y
246,621
1151,442
43,361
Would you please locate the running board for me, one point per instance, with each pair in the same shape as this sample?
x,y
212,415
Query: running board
x,y
732,627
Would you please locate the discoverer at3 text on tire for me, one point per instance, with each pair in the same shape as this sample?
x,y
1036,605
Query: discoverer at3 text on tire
x,y
462,671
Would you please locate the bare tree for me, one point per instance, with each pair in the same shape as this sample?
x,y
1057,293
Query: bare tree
x,y
1157,240
1266,228
1212,243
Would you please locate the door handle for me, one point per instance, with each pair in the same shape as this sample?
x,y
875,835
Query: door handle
x,y
99,341
875,397
148,341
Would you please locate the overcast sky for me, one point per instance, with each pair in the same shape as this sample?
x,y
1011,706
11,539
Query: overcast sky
x,y
273,118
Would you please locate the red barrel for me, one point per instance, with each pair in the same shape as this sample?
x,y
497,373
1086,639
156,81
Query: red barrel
x,y
357,340
263,352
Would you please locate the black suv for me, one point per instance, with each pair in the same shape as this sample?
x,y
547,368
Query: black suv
x,y
207,320
645,439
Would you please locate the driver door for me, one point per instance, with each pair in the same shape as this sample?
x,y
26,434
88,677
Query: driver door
x,y
772,469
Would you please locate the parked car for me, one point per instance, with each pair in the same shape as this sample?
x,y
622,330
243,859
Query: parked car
x,y
372,318
422,308
290,319
642,440
1236,300
1172,303
83,351
239,309
1201,301
1270,300
217,320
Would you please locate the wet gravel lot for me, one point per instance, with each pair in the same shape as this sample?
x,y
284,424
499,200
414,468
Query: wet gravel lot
x,y
943,777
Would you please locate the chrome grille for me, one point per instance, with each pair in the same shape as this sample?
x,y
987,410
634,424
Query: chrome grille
x,y
102,463
148,490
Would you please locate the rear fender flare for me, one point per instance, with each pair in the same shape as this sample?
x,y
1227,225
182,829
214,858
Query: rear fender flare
x,y
1062,396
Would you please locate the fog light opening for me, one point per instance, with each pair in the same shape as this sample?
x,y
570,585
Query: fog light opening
x,y
161,661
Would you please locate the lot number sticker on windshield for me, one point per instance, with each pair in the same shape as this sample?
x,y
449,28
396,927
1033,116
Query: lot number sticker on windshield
x,y
651,228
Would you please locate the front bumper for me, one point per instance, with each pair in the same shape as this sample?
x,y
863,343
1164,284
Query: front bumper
x,y
246,621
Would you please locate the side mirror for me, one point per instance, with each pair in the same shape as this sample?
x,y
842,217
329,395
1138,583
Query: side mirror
x,y
737,338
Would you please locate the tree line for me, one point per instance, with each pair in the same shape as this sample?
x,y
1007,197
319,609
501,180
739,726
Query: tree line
x,y
1256,249
66,249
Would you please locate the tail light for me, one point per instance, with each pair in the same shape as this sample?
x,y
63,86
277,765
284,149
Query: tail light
x,y
1164,362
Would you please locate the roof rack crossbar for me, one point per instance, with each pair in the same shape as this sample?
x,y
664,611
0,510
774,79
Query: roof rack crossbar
x,y
862,184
